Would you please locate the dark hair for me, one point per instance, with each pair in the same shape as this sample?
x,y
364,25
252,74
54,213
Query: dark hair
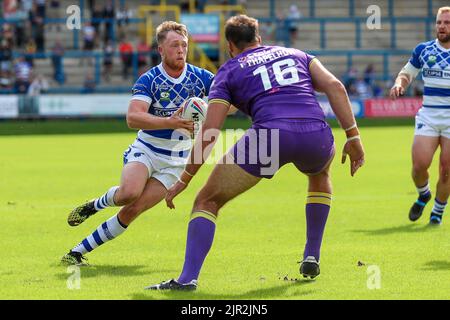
x,y
241,30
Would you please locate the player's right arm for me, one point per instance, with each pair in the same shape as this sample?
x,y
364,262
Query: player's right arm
x,y
139,118
324,81
403,80
407,74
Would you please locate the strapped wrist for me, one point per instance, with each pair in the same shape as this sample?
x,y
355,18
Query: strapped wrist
x,y
189,174
351,132
186,177
358,137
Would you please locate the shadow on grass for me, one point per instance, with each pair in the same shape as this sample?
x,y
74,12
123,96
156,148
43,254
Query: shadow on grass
x,y
409,228
112,271
437,265
81,125
259,294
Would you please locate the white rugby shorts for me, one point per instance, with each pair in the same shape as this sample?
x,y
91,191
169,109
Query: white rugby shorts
x,y
433,122
162,168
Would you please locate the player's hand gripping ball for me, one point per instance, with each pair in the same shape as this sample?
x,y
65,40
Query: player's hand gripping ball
x,y
195,109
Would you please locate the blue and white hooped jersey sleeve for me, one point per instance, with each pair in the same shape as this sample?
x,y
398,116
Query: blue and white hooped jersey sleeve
x,y
415,56
140,90
434,60
165,95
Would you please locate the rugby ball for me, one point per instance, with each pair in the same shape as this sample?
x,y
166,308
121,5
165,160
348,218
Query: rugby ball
x,y
195,109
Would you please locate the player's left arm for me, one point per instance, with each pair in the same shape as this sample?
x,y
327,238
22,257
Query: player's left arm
x,y
208,81
205,141
324,81
217,112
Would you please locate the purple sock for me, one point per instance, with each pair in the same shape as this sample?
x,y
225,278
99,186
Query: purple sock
x,y
199,240
317,209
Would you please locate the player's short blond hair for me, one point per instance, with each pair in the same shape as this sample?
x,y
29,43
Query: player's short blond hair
x,y
443,10
164,28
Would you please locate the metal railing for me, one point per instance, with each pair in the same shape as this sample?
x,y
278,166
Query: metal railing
x,y
359,22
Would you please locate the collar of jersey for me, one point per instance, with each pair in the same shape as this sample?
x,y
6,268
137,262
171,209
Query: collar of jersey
x,y
247,52
174,80
441,47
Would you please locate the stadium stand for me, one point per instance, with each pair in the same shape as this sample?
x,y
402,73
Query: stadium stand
x,y
335,31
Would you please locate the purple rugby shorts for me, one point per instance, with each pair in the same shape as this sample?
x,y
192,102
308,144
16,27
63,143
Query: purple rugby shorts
x,y
266,147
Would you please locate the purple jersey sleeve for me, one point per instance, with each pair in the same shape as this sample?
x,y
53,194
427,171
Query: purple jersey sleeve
x,y
303,56
309,58
219,90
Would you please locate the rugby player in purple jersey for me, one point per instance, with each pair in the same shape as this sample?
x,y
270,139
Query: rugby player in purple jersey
x,y
275,87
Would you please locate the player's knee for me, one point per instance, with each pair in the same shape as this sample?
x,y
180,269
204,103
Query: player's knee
x,y
420,166
444,170
127,196
320,181
207,201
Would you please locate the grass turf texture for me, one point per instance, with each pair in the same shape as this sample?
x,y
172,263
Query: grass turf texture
x,y
260,235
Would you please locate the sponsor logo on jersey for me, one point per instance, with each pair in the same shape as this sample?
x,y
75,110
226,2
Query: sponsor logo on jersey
x,y
159,112
178,100
138,88
190,85
242,62
137,91
431,61
163,86
165,96
432,73
190,88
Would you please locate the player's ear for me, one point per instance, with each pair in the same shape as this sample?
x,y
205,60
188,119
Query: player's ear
x,y
258,39
230,48
160,50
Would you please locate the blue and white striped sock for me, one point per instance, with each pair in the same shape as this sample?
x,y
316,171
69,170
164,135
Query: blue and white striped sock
x,y
424,194
107,231
439,207
107,200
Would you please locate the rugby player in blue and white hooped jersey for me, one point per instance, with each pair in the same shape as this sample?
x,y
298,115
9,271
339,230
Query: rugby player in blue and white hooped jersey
x,y
433,119
156,159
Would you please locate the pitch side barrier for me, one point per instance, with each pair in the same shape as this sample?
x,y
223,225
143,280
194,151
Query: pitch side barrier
x,y
116,105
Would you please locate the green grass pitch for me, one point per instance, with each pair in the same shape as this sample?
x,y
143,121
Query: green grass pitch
x,y
370,249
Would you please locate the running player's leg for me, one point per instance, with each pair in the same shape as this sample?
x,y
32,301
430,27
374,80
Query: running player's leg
x,y
423,150
443,185
225,183
135,174
134,180
153,193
